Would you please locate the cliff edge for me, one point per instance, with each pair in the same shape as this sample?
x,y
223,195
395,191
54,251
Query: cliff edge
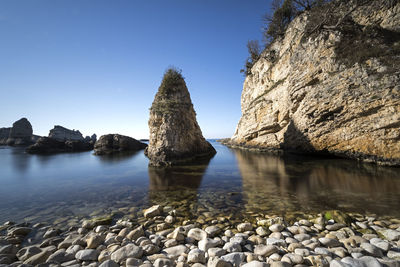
x,y
330,85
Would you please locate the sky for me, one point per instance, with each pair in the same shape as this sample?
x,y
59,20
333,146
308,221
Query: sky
x,y
96,65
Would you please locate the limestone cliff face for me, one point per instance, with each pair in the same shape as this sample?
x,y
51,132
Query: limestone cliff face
x,y
20,134
331,84
175,136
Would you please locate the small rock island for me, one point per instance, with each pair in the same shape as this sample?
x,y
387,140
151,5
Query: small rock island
x,y
114,143
175,136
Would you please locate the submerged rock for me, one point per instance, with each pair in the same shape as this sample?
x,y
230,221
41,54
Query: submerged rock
x,y
175,136
323,90
114,143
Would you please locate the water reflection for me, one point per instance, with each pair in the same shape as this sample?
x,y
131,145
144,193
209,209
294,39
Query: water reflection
x,y
293,183
118,157
20,160
176,185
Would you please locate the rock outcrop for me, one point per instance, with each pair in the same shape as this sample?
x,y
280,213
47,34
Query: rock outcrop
x,y
63,134
175,136
20,134
46,145
330,85
4,134
115,143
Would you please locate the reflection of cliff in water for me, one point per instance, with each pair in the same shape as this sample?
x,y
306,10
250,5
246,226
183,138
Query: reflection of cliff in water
x,y
177,186
295,183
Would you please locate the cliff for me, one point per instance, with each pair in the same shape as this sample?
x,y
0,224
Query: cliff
x,y
175,136
330,85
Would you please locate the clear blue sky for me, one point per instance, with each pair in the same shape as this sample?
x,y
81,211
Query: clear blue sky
x,y
96,65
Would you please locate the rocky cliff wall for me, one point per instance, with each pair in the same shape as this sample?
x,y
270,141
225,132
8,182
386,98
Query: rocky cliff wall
x,y
331,85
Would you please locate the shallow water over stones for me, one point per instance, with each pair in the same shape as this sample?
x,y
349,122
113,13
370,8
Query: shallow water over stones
x,y
64,189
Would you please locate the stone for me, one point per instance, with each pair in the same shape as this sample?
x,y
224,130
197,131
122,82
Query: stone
x,y
212,230
116,143
276,242
175,251
243,227
217,262
87,255
197,234
22,231
196,255
383,245
134,262
302,237
280,264
235,258
128,251
60,256
310,93
216,252
276,227
175,136
391,235
361,262
261,231
152,211
150,249
265,250
136,233
207,243
393,254
372,250
94,241
38,258
255,264
329,242
109,263
232,247
27,252
163,262
302,252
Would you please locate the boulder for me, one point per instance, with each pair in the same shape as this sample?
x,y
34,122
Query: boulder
x,y
321,91
175,136
115,143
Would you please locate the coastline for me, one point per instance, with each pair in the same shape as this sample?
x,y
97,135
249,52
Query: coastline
x,y
163,236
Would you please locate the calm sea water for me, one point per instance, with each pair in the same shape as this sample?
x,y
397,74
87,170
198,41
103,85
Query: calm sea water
x,y
65,188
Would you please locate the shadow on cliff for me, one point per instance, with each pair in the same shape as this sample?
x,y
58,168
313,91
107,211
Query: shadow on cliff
x,y
176,185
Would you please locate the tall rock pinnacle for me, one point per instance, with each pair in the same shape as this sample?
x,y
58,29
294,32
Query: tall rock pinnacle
x,y
175,136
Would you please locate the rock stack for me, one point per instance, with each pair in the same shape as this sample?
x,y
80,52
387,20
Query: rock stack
x,y
20,134
175,136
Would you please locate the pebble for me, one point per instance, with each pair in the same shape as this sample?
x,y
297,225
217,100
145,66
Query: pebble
x,y
87,255
197,234
243,227
276,227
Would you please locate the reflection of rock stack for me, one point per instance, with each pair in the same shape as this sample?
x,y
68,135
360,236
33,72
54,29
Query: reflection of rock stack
x,y
176,186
